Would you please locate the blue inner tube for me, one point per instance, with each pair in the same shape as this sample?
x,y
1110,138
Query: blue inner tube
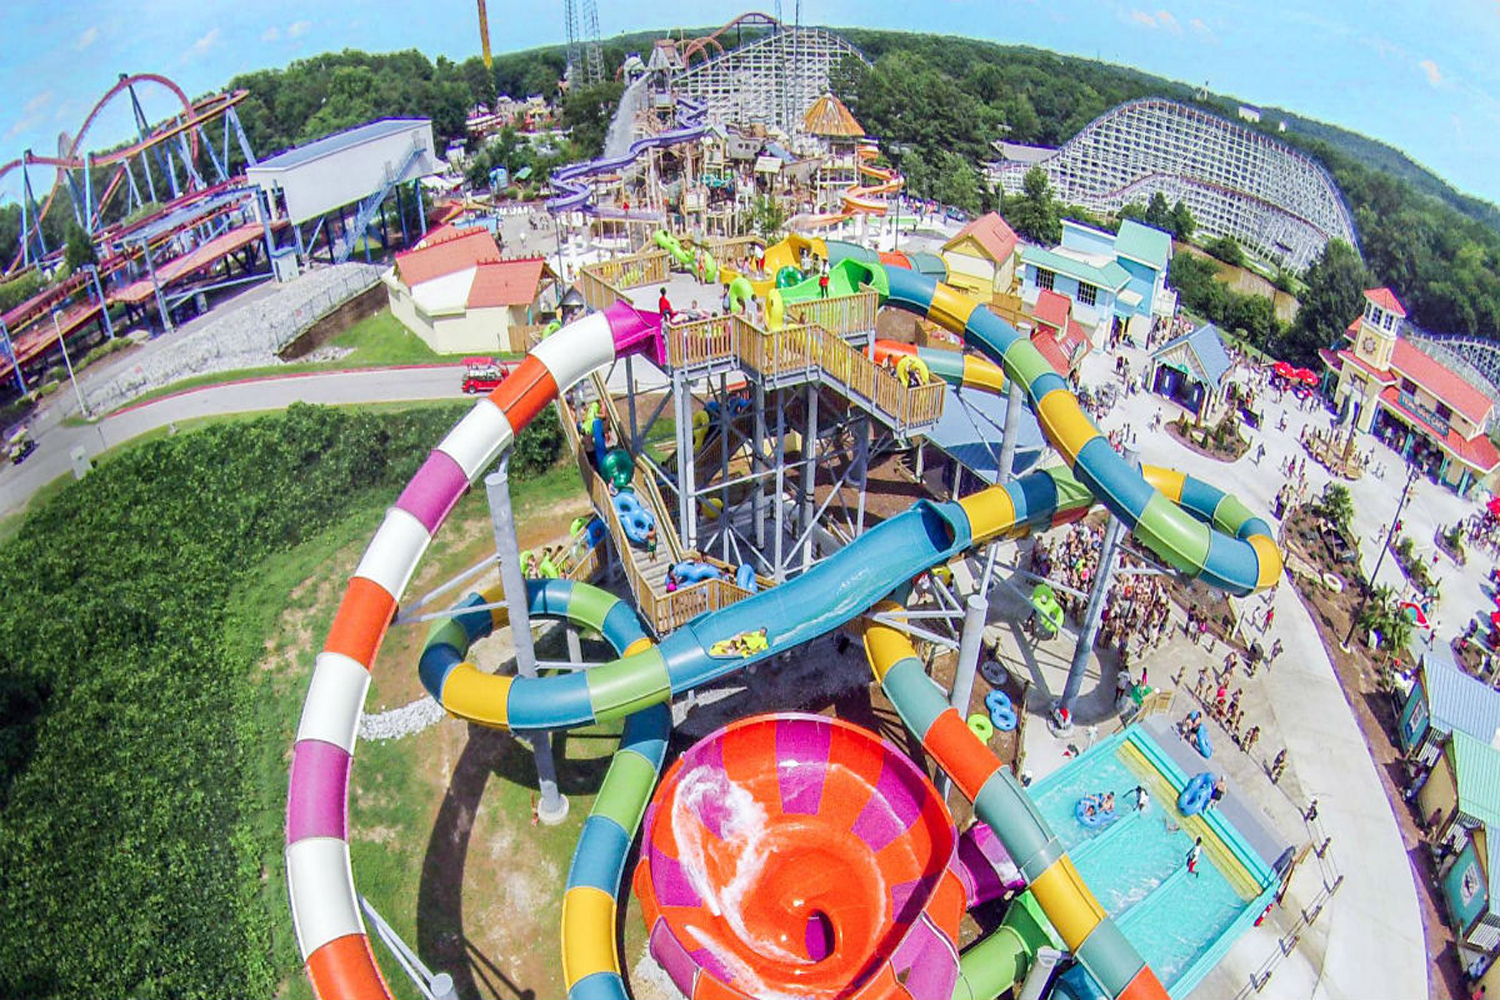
x,y
1002,711
1099,817
744,577
635,519
1203,743
1195,796
692,572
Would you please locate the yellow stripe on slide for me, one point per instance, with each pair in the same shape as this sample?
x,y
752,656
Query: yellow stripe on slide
x,y
1072,909
639,646
588,933
990,512
1168,481
1064,423
1270,560
950,308
470,693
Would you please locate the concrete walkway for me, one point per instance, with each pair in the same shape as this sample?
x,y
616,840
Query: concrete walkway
x,y
1369,940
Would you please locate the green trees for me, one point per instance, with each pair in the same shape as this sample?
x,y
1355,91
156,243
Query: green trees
x,y
1182,222
1033,213
142,747
587,111
769,215
79,251
1227,249
1333,300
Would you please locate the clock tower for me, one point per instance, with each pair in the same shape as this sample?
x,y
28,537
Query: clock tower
x,y
1379,326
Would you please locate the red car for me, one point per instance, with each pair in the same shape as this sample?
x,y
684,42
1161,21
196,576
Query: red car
x,y
484,374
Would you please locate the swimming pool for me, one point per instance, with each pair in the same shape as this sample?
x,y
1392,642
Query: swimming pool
x,y
1181,923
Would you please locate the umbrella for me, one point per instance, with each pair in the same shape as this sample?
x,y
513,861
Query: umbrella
x,y
1306,376
1495,619
1416,615
1493,506
1283,369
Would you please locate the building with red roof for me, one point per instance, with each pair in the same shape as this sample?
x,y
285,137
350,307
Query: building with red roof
x,y
457,292
1059,337
1389,387
981,257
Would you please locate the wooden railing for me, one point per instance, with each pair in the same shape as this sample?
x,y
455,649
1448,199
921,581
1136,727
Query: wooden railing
x,y
726,251
642,479
598,293
603,284
663,611
843,315
808,350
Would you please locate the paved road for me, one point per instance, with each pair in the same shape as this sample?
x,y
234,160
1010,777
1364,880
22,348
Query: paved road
x,y
55,441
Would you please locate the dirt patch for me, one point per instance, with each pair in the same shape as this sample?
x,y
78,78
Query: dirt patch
x,y
1209,442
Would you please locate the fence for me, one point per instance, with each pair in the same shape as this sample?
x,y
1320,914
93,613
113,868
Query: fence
x,y
235,337
804,352
843,315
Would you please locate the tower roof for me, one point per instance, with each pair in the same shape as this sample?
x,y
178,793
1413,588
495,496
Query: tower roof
x,y
829,117
1385,299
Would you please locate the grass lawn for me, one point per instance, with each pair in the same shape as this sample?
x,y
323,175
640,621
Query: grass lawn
x,y
378,341
442,839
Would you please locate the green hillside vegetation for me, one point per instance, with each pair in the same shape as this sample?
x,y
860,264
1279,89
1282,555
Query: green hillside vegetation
x,y
143,753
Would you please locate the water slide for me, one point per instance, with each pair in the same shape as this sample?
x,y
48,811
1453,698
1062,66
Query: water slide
x,y
1235,553
957,368
571,182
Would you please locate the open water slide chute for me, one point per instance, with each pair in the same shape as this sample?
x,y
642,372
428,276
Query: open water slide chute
x,y
329,928
1000,801
571,182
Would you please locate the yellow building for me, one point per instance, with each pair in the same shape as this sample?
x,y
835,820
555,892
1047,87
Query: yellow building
x,y
982,257
1389,387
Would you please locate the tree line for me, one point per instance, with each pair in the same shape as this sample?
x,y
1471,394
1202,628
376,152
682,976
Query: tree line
x,y
944,99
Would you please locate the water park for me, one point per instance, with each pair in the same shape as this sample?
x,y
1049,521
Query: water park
x,y
913,607
795,448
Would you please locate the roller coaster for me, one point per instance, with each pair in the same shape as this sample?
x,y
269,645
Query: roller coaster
x,y
178,145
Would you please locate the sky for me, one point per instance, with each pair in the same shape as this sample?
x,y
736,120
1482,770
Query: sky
x,y
1419,75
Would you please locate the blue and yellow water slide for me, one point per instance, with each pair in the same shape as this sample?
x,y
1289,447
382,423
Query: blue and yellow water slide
x,y
1191,526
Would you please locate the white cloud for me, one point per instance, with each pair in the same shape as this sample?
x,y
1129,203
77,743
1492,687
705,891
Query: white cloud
x,y
89,37
271,34
1434,75
298,28
1200,26
203,46
33,113
38,102
1161,19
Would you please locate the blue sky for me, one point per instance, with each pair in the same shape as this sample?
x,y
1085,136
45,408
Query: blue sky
x,y
1422,76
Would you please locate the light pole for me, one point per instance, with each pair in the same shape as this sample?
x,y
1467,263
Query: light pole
x,y
82,403
1390,534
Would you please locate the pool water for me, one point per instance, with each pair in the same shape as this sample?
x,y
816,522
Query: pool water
x,y
1137,867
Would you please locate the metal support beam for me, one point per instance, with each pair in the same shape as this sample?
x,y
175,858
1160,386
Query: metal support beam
x,y
970,643
687,495
552,807
1103,577
1013,406
809,474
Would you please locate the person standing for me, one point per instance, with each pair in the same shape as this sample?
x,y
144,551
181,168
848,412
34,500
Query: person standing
x,y
823,283
664,306
1312,811
1193,855
1278,765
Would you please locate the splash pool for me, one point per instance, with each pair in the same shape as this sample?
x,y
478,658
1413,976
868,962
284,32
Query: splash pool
x,y
1181,923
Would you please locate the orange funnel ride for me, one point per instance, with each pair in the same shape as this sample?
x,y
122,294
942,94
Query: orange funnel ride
x,y
797,855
